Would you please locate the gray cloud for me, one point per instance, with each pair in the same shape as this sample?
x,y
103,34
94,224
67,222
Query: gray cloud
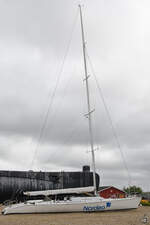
x,y
33,40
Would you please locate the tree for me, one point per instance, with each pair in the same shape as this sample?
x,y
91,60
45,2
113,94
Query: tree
x,y
133,189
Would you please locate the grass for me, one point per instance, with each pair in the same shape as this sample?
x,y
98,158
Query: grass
x,y
145,202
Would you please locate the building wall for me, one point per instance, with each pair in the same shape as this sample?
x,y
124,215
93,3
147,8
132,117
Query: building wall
x,y
11,181
112,193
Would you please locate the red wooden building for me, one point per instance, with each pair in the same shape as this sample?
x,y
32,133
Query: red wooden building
x,y
111,192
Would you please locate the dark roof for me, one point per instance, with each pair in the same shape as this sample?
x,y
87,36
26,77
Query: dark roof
x,y
106,187
103,187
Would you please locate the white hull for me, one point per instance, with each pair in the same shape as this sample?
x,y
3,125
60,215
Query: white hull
x,y
89,204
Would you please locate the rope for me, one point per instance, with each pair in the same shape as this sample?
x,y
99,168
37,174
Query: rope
x,y
110,120
53,94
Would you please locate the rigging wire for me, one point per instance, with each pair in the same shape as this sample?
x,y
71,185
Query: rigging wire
x,y
54,93
61,100
110,119
74,132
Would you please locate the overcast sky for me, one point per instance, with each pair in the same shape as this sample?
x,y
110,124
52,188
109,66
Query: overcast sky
x,y
41,70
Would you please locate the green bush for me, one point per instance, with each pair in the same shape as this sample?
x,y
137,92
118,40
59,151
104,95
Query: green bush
x,y
145,203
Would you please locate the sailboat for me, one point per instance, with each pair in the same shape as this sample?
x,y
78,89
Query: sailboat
x,y
74,203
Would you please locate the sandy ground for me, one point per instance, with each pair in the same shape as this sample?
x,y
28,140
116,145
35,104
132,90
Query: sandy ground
x,y
126,217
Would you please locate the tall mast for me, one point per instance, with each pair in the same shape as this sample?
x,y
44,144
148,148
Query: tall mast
x,y
89,114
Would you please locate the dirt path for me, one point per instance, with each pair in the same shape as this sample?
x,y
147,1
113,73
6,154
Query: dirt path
x,y
128,217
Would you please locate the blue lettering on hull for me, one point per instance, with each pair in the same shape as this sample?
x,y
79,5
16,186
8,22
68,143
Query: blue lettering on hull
x,y
108,204
96,208
93,208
